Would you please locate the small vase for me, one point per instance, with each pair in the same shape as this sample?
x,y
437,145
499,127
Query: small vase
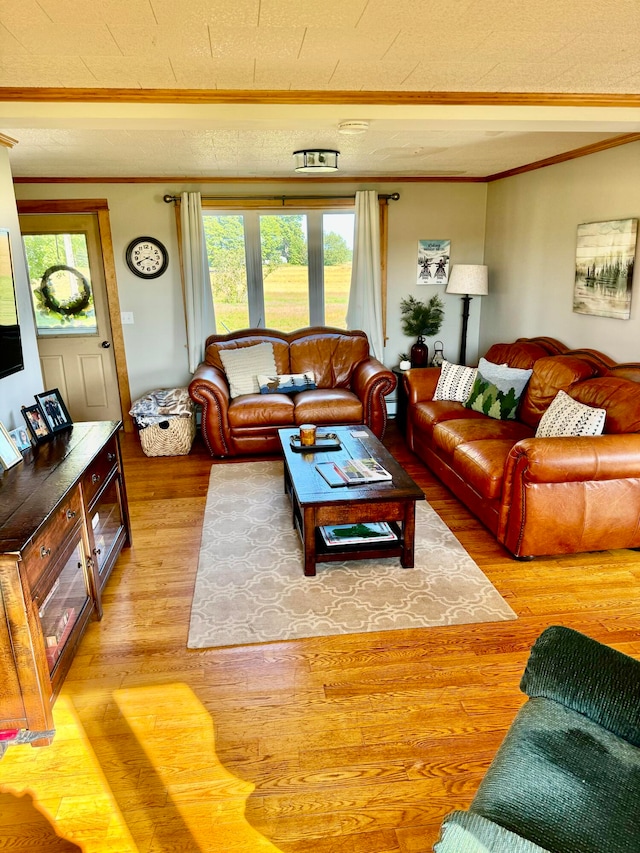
x,y
419,353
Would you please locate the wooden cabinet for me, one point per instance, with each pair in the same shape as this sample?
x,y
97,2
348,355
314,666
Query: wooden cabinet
x,y
63,522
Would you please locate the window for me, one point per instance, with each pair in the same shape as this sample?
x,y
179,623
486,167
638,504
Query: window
x,y
60,280
280,270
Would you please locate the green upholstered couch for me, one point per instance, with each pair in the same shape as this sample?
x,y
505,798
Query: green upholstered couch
x,y
566,779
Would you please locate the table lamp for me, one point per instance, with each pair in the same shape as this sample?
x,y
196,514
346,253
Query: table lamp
x,y
468,280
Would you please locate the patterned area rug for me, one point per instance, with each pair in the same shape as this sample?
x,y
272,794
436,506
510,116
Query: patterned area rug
x,y
250,587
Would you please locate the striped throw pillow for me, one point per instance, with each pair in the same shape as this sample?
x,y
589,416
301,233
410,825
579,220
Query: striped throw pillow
x,y
455,382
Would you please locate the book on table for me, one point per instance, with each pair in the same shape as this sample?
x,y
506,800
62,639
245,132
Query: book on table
x,y
357,534
353,472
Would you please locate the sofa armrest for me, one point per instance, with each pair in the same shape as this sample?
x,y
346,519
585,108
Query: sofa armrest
x,y
371,381
420,383
580,673
210,389
561,460
567,495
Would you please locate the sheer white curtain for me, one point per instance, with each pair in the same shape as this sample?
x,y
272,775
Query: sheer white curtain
x,y
198,299
365,296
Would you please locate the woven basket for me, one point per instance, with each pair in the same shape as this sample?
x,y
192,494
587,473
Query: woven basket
x,y
172,437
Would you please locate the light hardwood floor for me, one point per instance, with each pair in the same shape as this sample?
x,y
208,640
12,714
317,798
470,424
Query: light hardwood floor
x,y
356,744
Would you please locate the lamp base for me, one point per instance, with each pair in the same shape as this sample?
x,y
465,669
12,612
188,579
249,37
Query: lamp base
x,y
466,299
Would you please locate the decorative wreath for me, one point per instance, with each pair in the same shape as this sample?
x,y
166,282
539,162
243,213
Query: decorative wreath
x,y
72,307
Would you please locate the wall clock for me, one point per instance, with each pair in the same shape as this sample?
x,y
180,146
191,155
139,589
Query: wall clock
x,y
147,257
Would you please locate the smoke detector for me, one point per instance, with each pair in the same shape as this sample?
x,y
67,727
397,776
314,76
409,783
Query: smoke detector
x,y
353,127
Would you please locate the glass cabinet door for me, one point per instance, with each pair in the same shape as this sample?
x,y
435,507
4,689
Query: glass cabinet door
x,y
106,522
60,608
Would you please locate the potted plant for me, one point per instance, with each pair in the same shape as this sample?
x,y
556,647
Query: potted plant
x,y
422,320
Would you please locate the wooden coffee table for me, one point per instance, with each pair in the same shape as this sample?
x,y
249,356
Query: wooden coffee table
x,y
315,503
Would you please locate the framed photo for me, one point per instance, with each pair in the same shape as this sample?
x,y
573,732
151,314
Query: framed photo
x,y
36,423
433,261
9,453
54,410
21,438
605,257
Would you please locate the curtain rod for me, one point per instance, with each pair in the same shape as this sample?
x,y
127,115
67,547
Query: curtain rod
x,y
169,198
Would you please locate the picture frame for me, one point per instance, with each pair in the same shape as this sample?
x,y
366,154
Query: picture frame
x,y
54,410
9,453
21,438
605,259
433,261
36,423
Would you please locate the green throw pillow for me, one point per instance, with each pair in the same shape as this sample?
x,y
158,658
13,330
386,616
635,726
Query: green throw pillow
x,y
497,390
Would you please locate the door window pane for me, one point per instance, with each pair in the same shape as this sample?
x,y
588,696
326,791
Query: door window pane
x,y
285,271
60,280
224,235
337,240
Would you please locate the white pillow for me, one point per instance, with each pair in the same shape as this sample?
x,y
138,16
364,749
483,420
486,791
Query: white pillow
x,y
455,382
243,365
565,416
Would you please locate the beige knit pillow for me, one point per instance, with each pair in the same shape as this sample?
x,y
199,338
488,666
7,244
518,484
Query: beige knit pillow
x,y
243,365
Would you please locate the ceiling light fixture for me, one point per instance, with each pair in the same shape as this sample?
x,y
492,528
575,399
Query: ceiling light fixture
x,y
352,127
316,160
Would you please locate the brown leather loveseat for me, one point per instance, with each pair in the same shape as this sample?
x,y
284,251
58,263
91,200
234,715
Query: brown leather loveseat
x,y
351,387
539,496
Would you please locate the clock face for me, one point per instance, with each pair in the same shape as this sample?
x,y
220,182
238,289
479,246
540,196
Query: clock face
x,y
147,257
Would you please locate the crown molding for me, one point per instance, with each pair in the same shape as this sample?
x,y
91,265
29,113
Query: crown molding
x,y
199,179
594,148
273,96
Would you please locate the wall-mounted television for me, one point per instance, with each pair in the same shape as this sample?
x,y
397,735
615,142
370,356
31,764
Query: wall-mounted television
x,y
11,360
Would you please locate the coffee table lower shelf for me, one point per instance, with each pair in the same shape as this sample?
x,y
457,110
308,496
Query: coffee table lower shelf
x,y
360,550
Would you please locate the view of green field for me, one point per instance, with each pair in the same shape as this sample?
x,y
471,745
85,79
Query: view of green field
x,y
286,296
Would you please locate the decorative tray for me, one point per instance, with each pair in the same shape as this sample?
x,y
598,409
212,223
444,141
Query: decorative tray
x,y
325,441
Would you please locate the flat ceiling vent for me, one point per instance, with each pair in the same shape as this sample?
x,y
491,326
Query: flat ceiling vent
x,y
353,127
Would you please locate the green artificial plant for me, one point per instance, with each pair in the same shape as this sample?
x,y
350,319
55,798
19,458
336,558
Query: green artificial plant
x,y
420,318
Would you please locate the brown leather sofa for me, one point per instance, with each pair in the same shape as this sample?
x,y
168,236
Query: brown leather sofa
x,y
539,496
351,387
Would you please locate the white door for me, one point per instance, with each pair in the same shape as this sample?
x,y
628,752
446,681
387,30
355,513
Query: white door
x,y
69,297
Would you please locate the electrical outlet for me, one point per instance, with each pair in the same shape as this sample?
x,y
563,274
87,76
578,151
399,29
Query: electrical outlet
x,y
126,317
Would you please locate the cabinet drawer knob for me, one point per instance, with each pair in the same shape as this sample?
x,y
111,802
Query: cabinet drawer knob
x,y
95,478
111,457
97,551
44,552
71,513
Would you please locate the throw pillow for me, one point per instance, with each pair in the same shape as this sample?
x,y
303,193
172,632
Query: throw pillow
x,y
566,416
242,366
286,383
455,382
497,390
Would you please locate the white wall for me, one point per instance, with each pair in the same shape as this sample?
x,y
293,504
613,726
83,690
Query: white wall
x,y
531,247
444,211
156,343
18,389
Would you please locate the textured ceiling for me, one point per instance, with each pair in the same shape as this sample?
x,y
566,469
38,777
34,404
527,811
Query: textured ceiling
x,y
389,47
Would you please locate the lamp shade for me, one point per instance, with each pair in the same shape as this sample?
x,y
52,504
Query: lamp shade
x,y
468,280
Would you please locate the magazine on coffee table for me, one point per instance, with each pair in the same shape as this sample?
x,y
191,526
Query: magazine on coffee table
x,y
357,534
353,472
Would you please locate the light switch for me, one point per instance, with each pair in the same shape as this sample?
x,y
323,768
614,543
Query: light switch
x,y
126,318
